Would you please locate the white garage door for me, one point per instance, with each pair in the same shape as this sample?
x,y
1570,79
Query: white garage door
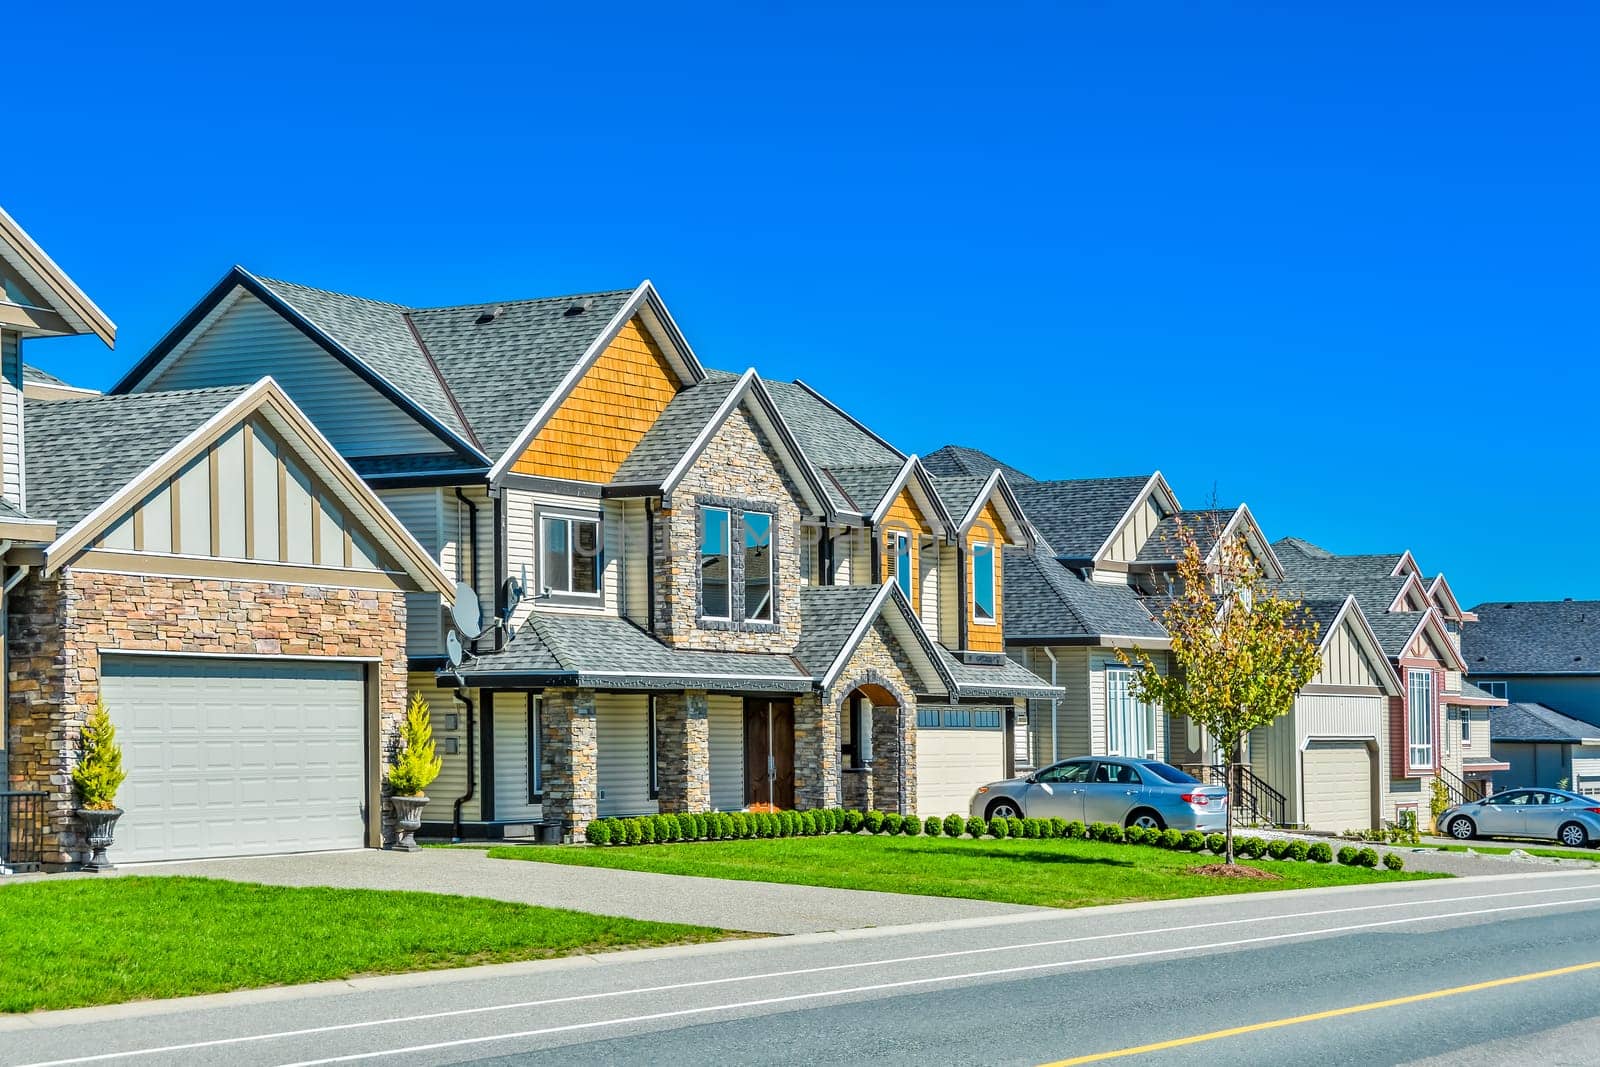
x,y
237,757
952,764
1338,785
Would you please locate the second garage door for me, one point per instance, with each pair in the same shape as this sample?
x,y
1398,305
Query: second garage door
x,y
1338,785
952,763
232,757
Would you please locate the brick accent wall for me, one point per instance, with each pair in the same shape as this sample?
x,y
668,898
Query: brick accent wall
x,y
58,626
569,769
683,752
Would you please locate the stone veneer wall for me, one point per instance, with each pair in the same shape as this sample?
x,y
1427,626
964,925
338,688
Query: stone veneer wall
x,y
683,752
819,775
739,464
569,770
59,624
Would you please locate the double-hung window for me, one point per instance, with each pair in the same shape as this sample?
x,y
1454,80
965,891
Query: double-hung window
x,y
1466,727
1419,718
569,555
900,560
1130,722
716,571
757,566
983,586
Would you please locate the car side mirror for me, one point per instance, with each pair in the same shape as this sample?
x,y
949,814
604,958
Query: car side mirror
x,y
1032,779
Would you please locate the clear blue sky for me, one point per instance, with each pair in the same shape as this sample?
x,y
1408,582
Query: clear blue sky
x,y
1341,266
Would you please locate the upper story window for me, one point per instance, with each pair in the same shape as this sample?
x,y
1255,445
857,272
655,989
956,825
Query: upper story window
x,y
1419,716
900,560
983,582
1466,727
715,564
757,566
1494,689
569,555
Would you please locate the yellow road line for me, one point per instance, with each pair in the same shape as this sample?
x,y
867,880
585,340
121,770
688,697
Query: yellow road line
x,y
1356,1009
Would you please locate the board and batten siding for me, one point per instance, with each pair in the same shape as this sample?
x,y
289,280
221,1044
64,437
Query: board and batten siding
x,y
1277,751
452,780
1345,662
247,341
622,728
725,730
1131,538
12,465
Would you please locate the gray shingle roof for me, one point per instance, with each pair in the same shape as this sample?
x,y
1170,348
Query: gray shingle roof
x,y
501,370
1044,600
9,512
1537,723
35,375
388,466
957,492
994,680
829,614
1533,637
960,461
830,439
1393,628
863,486
1297,555
80,452
669,438
1076,516
604,651
1472,692
1205,526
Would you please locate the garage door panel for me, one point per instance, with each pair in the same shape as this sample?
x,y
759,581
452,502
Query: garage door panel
x,y
237,757
952,763
1338,785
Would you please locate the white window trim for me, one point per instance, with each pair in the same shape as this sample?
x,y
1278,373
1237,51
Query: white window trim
x,y
897,539
1466,728
572,553
1116,745
994,582
727,555
1411,721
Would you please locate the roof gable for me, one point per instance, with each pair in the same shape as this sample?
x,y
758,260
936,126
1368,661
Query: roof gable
x,y
1079,518
31,283
834,620
957,461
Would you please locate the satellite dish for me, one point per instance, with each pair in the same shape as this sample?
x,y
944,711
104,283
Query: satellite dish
x,y
512,596
453,650
466,612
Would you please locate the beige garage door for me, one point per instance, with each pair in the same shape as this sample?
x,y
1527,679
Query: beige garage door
x,y
952,763
1338,785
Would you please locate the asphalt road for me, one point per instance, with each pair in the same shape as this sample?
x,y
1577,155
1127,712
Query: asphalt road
x,y
1391,974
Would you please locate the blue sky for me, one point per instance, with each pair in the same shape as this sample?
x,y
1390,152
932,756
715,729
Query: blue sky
x,y
1341,265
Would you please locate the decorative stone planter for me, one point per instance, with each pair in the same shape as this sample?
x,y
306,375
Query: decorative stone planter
x,y
101,824
407,821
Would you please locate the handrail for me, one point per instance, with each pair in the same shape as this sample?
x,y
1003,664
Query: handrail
x,y
1454,786
21,831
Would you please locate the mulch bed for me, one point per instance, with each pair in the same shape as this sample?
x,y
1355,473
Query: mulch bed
x,y
1222,870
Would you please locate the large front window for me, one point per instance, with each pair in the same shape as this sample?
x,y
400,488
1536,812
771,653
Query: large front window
x,y
738,566
569,554
1130,723
1419,714
757,566
982,582
715,570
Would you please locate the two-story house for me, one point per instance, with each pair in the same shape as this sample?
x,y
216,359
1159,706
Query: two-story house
x,y
697,589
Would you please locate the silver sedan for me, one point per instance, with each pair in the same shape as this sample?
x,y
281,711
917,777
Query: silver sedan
x,y
1110,789
1551,814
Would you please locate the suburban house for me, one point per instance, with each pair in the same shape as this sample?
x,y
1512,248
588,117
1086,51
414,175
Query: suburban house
x,y
678,589
1543,657
209,566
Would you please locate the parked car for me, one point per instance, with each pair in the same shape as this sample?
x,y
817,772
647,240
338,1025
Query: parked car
x,y
1549,814
1127,792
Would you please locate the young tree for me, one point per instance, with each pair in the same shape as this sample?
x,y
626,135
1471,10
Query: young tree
x,y
1240,652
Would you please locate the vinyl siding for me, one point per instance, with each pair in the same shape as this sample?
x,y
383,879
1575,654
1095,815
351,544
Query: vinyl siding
x,y
1071,710
622,723
949,595
452,780
420,512
249,341
511,759
904,516
726,729
11,430
1277,751
928,582
522,547
635,578
1344,662
1131,538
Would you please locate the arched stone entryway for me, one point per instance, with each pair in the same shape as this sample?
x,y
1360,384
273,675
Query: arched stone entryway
x,y
877,731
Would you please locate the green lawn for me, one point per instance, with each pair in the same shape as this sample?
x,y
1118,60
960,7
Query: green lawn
x,y
1592,855
73,942
1053,873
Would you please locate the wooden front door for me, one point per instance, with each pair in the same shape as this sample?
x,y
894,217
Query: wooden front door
x,y
769,752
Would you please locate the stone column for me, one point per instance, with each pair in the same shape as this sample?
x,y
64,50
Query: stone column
x,y
816,752
568,747
683,752
894,758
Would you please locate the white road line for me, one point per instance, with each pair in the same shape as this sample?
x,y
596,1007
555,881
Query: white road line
x,y
798,972
910,982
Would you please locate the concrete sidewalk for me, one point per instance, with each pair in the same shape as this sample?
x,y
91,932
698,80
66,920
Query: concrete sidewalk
x,y
763,907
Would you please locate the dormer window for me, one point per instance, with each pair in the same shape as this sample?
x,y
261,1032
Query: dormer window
x,y
983,609
569,555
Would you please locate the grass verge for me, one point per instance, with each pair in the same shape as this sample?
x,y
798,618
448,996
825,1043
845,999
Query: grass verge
x,y
75,942
1051,873
1592,855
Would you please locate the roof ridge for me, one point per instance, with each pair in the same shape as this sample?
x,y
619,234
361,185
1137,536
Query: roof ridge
x,y
520,300
444,386
101,398
332,292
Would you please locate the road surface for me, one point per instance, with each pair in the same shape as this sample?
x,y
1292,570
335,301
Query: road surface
x,y
1460,972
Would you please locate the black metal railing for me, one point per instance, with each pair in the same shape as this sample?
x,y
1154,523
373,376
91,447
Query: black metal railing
x,y
1257,801
1454,786
21,831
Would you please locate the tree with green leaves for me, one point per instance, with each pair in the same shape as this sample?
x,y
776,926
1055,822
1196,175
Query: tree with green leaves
x,y
98,773
1240,651
416,764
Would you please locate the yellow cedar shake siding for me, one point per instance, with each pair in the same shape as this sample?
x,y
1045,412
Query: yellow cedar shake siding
x,y
607,412
738,463
988,529
949,575
903,516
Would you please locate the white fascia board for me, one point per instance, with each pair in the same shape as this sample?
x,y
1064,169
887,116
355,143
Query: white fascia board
x,y
1156,481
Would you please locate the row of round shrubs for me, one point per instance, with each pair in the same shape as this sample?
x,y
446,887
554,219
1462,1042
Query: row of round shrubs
x,y
734,825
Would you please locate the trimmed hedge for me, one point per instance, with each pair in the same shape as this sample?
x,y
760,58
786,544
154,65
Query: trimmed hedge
x,y
954,826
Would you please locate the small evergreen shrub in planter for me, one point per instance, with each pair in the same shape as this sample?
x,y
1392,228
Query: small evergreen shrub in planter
x,y
1394,861
598,833
977,827
954,825
912,827
1321,852
1277,848
1367,857
932,826
999,828
854,820
1217,843
892,822
1076,829
1299,850
1194,841
874,822
1347,855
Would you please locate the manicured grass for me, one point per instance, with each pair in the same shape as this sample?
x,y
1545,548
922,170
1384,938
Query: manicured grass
x,y
1592,855
1053,873
74,942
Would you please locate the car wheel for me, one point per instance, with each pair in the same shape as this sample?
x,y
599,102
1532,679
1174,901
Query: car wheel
x,y
1145,819
1461,828
1005,809
1573,835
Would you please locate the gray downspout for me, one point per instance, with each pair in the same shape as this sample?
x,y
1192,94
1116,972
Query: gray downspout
x,y
472,536
472,770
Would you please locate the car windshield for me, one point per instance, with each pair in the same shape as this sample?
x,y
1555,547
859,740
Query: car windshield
x,y
1168,773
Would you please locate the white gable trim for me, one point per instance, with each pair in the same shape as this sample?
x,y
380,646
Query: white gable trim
x,y
1351,612
927,502
42,274
1258,541
1433,622
1156,482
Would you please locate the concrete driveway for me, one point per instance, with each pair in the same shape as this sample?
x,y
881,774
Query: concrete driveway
x,y
763,907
